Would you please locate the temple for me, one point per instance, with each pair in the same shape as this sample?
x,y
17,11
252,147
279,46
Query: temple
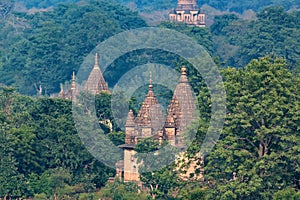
x,y
95,83
187,11
150,122
68,94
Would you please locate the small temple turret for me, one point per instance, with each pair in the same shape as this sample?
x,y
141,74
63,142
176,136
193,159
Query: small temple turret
x,y
130,129
129,165
68,94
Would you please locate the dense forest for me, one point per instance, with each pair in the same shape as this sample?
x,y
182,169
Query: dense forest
x,y
145,5
257,155
42,155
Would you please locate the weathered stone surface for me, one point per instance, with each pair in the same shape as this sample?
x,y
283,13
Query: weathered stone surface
x,y
95,82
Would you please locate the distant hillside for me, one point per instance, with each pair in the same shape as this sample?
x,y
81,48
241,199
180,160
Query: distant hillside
x,y
42,3
42,49
224,5
150,6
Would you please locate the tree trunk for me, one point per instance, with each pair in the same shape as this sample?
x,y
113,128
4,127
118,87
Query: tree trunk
x,y
153,196
261,149
55,197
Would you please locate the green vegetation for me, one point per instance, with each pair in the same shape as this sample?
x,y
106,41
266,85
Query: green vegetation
x,y
150,6
121,190
38,45
275,32
41,153
256,157
48,51
223,5
241,6
260,140
42,156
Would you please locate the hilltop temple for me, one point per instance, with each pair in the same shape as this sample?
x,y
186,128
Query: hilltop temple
x,y
187,11
95,83
150,122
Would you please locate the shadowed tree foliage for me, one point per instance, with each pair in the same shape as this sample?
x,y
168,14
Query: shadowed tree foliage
x,y
49,50
275,32
258,150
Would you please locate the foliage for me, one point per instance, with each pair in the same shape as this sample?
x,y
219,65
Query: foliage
x,y
163,180
274,33
257,151
257,156
288,193
49,43
150,6
119,190
241,6
201,35
224,5
41,153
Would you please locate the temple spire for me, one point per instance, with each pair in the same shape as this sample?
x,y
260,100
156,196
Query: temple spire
x,y
183,77
95,82
150,92
73,84
183,70
96,65
150,114
130,119
150,82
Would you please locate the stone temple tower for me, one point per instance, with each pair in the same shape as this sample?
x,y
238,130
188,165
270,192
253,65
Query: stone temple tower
x,y
187,11
180,113
95,82
150,123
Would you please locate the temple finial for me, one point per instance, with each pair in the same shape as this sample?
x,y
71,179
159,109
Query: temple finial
x,y
96,60
150,81
73,85
73,76
183,70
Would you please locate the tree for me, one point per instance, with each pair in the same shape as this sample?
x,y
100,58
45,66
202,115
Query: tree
x,y
255,155
11,179
120,190
165,179
5,9
274,32
49,42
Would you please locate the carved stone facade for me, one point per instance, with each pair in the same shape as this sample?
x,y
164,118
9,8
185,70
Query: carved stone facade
x,y
187,11
150,123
